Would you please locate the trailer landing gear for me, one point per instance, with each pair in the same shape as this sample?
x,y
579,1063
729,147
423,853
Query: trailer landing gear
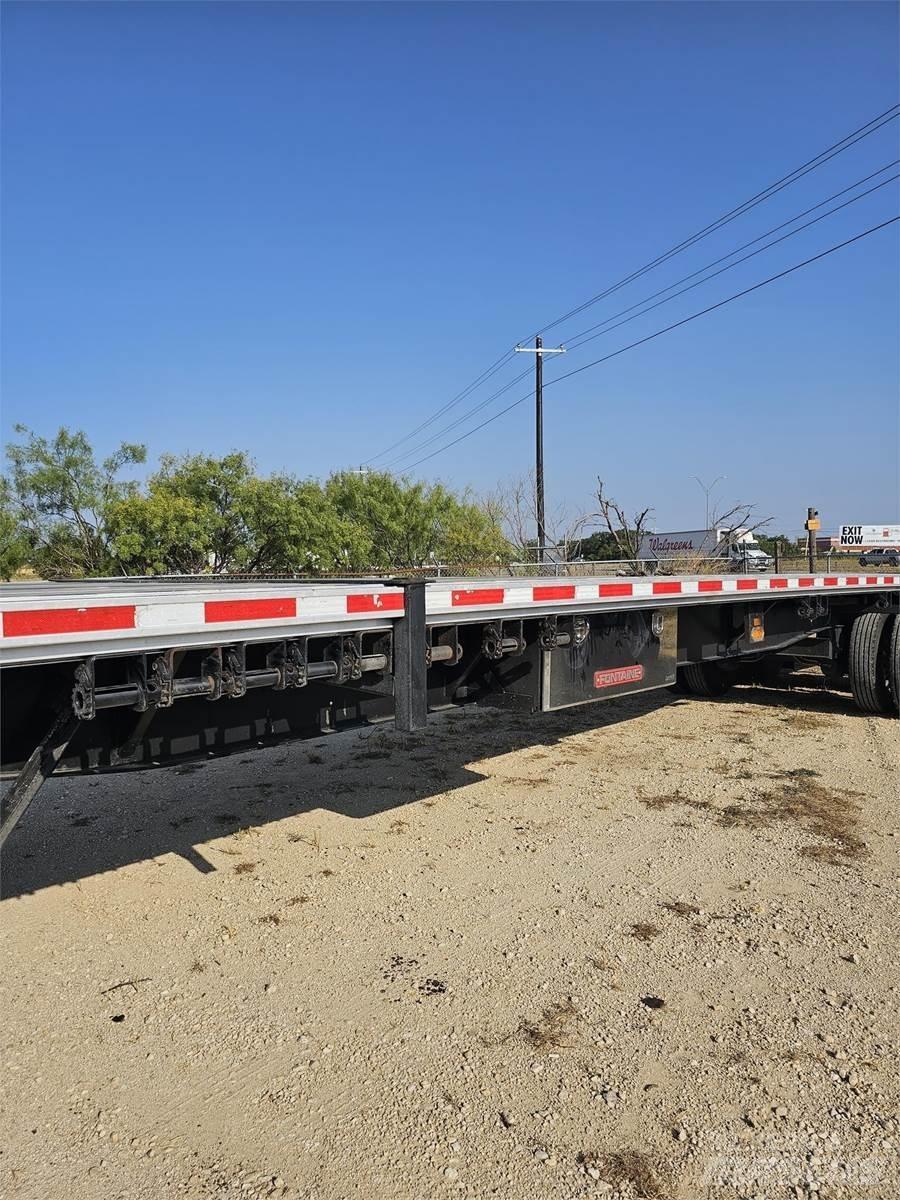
x,y
36,770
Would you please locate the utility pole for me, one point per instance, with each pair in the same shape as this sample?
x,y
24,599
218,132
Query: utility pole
x,y
539,447
539,352
813,524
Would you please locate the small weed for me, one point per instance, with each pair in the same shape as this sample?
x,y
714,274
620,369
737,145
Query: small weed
x,y
632,1167
524,780
244,868
667,800
645,932
198,966
297,900
682,909
270,919
310,840
827,813
554,1029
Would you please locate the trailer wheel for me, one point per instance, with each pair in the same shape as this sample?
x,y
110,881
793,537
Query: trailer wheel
x,y
869,669
894,663
704,679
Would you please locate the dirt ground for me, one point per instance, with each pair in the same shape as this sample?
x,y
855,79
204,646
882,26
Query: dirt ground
x,y
647,949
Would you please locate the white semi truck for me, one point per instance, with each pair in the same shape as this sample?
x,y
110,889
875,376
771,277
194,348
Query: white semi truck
x,y
738,547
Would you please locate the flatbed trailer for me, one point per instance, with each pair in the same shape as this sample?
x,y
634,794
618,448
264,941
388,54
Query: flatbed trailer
x,y
124,673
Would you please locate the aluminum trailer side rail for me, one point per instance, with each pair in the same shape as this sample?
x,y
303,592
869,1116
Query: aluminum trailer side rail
x,y
120,673
42,623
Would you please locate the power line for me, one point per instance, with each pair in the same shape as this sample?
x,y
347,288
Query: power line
x,y
572,346
737,296
804,169
667,329
737,262
573,338
435,437
458,398
845,143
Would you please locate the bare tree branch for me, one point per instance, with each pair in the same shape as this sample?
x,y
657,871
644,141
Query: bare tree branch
x,y
627,533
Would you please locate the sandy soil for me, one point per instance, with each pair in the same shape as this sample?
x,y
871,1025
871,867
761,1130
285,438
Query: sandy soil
x,y
646,949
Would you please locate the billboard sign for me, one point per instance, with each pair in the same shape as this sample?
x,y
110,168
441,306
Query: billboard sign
x,y
685,543
870,535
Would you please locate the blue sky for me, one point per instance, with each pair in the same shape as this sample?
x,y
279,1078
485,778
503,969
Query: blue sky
x,y
300,229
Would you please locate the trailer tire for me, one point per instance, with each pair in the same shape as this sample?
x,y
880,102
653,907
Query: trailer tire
x,y
869,669
704,679
894,663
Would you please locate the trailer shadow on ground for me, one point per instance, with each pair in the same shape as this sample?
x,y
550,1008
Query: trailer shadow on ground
x,y
81,826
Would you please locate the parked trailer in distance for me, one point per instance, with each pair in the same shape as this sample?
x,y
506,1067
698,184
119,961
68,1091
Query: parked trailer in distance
x,y
736,547
108,674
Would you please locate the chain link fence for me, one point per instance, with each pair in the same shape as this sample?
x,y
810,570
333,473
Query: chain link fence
x,y
830,564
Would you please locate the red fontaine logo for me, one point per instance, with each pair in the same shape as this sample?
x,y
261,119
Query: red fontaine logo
x,y
615,676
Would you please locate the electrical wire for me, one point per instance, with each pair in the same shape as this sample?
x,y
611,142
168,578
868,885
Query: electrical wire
x,y
572,339
459,420
457,399
588,336
845,143
811,164
659,332
737,262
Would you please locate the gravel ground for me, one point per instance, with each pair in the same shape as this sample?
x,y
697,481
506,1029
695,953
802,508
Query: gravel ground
x,y
646,949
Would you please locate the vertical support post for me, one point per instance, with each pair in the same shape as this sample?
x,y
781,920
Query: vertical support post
x,y
811,515
410,669
777,555
539,446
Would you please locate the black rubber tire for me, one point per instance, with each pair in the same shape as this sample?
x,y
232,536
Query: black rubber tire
x,y
704,679
869,647
894,664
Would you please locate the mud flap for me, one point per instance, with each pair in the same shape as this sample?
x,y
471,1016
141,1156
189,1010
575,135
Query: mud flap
x,y
620,654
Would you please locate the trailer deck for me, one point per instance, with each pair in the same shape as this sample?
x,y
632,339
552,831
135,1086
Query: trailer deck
x,y
48,622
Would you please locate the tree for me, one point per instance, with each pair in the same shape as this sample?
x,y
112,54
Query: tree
x,y
293,528
599,546
64,496
789,545
471,533
403,524
513,506
737,520
626,532
13,543
201,513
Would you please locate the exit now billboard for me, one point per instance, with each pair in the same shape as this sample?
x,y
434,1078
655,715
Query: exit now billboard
x,y
870,535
